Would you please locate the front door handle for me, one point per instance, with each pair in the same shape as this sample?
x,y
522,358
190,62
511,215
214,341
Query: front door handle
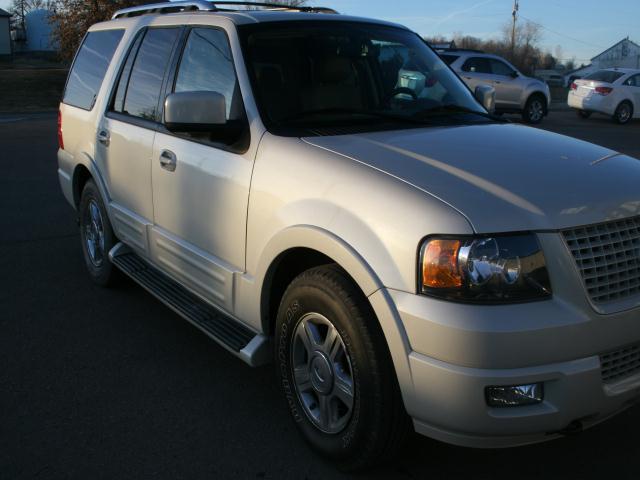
x,y
103,137
168,160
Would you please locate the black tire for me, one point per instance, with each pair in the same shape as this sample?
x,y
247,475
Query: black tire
x,y
583,113
624,113
100,268
378,423
535,109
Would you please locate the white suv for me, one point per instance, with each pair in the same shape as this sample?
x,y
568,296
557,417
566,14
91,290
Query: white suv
x,y
515,92
322,192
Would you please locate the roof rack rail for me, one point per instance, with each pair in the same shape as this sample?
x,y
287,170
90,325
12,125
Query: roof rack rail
x,y
202,5
450,50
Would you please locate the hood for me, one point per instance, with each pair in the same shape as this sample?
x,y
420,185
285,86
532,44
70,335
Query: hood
x,y
503,177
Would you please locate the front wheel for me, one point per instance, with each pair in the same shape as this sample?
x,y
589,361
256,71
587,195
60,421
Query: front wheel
x,y
623,114
335,371
535,109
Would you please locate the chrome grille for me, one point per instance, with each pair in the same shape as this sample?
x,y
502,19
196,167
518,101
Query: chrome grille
x,y
608,257
620,364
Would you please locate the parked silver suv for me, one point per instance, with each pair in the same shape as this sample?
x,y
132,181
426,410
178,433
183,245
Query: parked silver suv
x,y
322,192
515,92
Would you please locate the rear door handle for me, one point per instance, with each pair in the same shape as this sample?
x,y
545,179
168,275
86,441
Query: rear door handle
x,y
104,137
168,160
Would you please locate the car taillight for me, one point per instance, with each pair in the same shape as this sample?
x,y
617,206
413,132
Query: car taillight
x,y
60,141
574,86
604,90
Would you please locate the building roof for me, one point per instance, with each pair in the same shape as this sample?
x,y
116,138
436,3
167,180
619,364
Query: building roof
x,y
614,46
4,13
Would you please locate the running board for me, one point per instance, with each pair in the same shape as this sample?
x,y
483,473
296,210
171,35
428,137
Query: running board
x,y
231,334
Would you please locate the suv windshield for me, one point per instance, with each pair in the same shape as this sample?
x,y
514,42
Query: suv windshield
x,y
608,76
336,74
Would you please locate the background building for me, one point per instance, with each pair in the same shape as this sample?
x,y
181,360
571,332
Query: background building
x,y
624,54
5,35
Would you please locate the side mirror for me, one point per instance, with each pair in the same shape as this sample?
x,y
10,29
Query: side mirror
x,y
194,111
514,74
486,95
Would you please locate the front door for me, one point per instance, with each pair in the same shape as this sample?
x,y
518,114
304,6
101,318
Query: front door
x,y
508,87
201,179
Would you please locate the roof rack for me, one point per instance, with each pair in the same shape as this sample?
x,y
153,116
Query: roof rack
x,y
204,6
452,50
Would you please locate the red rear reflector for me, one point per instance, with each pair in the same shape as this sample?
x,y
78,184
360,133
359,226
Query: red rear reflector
x,y
574,86
60,141
604,90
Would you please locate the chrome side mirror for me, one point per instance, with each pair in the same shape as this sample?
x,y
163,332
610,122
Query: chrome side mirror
x,y
486,95
194,111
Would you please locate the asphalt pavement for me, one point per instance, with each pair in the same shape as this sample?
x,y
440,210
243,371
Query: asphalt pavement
x,y
98,383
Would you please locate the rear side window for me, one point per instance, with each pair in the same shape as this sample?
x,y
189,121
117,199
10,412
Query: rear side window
x,y
141,91
477,65
89,67
633,81
608,76
449,59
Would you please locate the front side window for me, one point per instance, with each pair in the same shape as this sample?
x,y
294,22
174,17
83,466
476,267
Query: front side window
x,y
308,75
477,65
90,66
501,68
608,76
141,90
207,66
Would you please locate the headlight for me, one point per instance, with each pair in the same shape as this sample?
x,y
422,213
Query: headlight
x,y
484,269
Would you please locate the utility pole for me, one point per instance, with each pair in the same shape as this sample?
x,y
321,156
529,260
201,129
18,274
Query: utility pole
x,y
514,14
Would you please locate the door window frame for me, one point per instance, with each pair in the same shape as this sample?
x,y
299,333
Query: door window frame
x,y
170,83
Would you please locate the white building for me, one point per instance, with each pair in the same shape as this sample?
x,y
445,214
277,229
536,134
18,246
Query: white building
x,y
624,54
39,31
5,34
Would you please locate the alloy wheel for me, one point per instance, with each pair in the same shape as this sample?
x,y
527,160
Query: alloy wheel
x,y
93,227
322,373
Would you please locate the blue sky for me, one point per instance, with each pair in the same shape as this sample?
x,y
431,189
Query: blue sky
x,y
583,28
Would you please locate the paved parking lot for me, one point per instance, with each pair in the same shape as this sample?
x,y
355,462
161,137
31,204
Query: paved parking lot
x,y
101,383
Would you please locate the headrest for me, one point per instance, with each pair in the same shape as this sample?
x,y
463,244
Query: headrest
x,y
335,70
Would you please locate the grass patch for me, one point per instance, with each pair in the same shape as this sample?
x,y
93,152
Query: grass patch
x,y
31,90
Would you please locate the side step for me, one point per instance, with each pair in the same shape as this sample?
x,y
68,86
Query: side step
x,y
251,347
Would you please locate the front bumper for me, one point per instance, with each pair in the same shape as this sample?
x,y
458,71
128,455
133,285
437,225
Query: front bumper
x,y
457,350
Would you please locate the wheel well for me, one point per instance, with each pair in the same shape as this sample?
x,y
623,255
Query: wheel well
x,y
80,176
287,266
541,95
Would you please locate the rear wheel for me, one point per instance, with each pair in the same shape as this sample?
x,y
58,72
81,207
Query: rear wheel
x,y
583,113
624,113
535,109
335,371
96,235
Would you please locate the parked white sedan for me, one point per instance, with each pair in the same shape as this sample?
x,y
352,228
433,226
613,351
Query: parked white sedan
x,y
614,92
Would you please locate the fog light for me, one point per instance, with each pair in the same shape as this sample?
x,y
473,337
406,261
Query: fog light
x,y
515,396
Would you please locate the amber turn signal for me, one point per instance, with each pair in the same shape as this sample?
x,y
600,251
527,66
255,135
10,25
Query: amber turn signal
x,y
440,264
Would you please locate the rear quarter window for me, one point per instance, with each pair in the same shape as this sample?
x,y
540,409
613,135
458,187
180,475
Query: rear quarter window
x,y
89,67
449,59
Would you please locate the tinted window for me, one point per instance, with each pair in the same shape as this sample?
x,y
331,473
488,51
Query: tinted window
x,y
143,92
501,68
449,59
633,81
90,66
118,102
207,66
477,65
608,76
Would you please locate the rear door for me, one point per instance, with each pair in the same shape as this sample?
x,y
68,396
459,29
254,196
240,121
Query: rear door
x,y
126,133
200,200
477,71
632,87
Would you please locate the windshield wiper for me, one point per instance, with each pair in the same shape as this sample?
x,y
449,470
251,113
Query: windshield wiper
x,y
453,108
351,111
